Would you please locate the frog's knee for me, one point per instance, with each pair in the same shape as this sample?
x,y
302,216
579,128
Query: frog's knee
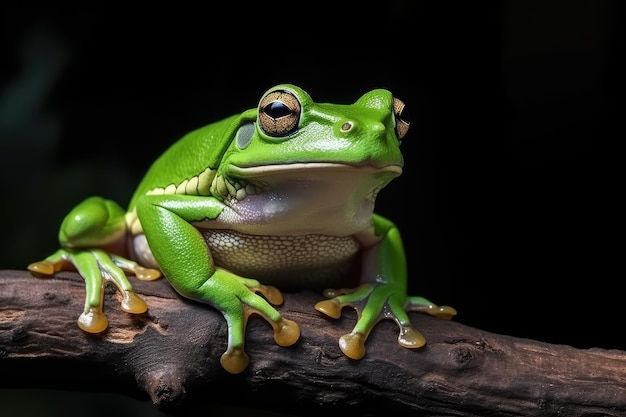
x,y
96,221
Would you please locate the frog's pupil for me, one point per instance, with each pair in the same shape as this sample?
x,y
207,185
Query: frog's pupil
x,y
404,115
277,109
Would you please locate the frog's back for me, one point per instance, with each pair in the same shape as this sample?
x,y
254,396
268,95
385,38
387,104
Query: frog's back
x,y
197,152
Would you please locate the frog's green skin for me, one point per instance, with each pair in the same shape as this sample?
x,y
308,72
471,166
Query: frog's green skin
x,y
281,194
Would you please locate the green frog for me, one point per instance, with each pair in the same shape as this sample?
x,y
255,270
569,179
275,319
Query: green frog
x,y
282,194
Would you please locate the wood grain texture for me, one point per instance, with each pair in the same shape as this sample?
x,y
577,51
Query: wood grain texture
x,y
171,355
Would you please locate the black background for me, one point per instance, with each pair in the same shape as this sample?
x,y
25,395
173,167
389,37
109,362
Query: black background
x,y
510,202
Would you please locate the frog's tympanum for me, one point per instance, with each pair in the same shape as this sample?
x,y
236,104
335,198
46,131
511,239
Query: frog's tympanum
x,y
281,195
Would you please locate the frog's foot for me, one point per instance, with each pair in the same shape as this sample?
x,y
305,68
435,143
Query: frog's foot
x,y
286,333
93,320
239,298
353,344
374,302
97,269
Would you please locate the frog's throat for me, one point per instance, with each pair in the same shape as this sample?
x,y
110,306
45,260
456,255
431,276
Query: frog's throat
x,y
302,198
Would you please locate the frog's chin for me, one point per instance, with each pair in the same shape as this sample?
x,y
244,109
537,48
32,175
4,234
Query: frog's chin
x,y
303,198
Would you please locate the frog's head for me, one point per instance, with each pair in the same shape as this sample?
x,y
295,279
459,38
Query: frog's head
x,y
288,131
289,127
325,154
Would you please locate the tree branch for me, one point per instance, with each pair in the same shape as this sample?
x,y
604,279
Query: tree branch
x,y
171,355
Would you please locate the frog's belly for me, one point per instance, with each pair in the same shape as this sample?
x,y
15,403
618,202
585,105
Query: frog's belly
x,y
304,260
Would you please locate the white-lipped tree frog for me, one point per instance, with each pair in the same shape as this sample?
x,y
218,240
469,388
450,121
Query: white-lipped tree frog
x,y
280,195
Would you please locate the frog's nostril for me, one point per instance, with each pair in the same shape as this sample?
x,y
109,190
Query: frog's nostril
x,y
346,126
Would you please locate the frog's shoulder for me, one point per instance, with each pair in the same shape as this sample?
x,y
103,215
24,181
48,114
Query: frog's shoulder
x,y
192,159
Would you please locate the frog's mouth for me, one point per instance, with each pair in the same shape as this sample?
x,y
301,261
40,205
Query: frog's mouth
x,y
300,198
251,172
329,176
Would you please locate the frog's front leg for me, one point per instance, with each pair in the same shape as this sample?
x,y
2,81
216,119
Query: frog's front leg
x,y
186,262
382,296
93,223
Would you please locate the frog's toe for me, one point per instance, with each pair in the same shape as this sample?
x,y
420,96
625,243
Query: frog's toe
x,y
93,321
286,332
353,345
235,360
411,338
332,308
42,268
272,294
146,274
422,305
132,303
444,312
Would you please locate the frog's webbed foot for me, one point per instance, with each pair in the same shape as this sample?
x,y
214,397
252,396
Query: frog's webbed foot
x,y
374,302
240,299
97,269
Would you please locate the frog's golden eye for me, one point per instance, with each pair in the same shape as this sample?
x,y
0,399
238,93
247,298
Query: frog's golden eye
x,y
403,120
279,113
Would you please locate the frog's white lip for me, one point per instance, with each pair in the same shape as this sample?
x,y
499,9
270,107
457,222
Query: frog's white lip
x,y
263,170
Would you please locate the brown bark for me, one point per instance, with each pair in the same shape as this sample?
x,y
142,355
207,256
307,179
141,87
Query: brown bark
x,y
171,355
